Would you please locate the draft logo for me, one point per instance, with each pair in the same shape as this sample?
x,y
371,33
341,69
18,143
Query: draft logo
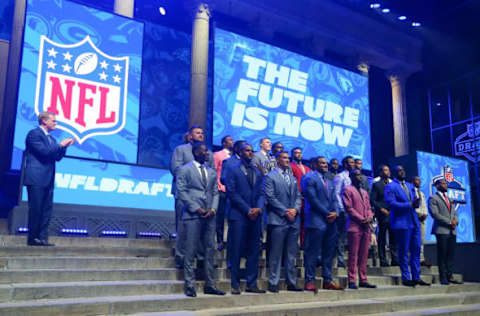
x,y
468,143
83,86
456,190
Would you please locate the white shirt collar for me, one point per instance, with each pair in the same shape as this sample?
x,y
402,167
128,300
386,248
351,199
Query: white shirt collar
x,y
227,152
43,129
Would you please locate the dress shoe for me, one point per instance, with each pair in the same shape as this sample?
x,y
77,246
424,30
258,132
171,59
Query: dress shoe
x,y
309,286
408,283
273,288
294,288
444,282
220,246
236,291
367,285
35,242
425,264
200,264
255,289
384,264
394,264
340,264
332,286
212,290
352,286
453,281
190,291
46,243
421,282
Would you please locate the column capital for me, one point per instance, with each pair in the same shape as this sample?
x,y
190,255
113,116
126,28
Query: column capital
x,y
200,9
398,76
364,67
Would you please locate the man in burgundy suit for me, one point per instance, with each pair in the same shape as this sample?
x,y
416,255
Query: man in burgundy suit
x,y
218,158
299,170
357,205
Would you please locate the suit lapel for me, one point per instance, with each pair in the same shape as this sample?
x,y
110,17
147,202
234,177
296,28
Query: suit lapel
x,y
322,185
445,203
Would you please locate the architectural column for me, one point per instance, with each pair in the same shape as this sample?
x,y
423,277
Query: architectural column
x,y
399,107
199,65
124,7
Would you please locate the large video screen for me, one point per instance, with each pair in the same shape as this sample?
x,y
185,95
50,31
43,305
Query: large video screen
x,y
265,91
84,65
432,167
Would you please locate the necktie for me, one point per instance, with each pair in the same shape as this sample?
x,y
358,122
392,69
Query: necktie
x,y
406,190
447,201
286,177
325,183
250,175
50,140
204,175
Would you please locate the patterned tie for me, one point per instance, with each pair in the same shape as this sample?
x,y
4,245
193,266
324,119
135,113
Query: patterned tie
x,y
406,190
447,201
204,175
286,177
325,183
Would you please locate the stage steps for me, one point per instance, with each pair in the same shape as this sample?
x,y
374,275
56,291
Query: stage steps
x,y
105,276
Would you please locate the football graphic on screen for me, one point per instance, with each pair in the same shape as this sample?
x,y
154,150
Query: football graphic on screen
x,y
85,63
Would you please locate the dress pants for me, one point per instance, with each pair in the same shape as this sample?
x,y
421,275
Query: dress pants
x,y
284,239
40,206
383,228
423,229
199,233
341,237
180,241
358,246
318,241
243,239
408,245
446,244
222,203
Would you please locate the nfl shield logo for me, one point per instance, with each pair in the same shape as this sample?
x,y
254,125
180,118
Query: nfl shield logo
x,y
83,86
448,173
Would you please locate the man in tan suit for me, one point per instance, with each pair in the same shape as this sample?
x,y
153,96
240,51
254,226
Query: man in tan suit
x,y
422,213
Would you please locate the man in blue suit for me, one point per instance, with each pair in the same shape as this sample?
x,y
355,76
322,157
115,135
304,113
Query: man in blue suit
x,y
198,191
41,153
283,206
321,213
401,201
244,189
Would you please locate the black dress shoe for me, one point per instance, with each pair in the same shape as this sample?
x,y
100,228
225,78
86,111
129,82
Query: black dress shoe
x,y
220,246
408,283
352,286
236,291
254,290
453,281
444,282
294,288
394,264
367,285
273,288
212,290
340,265
190,291
46,243
421,282
384,264
35,242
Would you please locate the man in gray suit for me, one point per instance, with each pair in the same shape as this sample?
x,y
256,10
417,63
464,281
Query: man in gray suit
x,y
445,222
283,207
262,158
197,190
181,156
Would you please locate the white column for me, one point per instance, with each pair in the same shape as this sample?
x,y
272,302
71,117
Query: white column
x,y
199,66
124,7
399,107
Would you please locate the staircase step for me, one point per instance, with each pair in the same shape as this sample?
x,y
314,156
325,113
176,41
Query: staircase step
x,y
22,251
455,310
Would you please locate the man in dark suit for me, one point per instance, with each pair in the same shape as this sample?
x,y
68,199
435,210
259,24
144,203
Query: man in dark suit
x,y
197,190
401,201
321,213
41,153
283,206
244,190
377,199
181,156
445,222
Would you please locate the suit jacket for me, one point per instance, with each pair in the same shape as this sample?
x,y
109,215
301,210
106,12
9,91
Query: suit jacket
x,y
298,173
377,198
41,153
266,163
226,164
441,215
182,155
218,158
422,208
280,197
244,196
341,181
318,201
194,193
402,214
357,207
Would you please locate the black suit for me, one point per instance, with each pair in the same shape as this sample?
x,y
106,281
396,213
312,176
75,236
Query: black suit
x,y
41,153
377,200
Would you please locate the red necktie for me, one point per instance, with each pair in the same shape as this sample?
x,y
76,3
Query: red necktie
x,y
446,201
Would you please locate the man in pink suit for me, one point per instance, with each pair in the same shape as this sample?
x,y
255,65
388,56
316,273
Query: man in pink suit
x,y
357,205
218,158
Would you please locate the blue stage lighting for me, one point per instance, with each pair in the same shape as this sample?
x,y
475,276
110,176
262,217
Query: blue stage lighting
x,y
375,5
162,10
73,231
22,230
386,10
149,235
402,17
113,233
416,24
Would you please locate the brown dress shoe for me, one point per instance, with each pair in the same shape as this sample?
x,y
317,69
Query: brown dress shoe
x,y
332,286
309,286
425,264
